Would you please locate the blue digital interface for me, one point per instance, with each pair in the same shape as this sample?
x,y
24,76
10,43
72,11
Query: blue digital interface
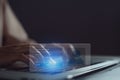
x,y
54,62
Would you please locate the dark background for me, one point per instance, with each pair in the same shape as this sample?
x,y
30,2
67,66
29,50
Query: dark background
x,y
77,21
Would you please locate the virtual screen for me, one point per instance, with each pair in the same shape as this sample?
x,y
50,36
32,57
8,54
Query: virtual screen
x,y
54,58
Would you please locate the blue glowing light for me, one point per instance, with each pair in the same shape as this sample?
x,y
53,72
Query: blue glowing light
x,y
52,63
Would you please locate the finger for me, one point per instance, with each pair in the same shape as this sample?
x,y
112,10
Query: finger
x,y
37,51
29,59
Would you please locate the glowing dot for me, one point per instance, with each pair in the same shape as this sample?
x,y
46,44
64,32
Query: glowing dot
x,y
69,76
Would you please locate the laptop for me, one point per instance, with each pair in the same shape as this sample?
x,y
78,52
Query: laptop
x,y
58,62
